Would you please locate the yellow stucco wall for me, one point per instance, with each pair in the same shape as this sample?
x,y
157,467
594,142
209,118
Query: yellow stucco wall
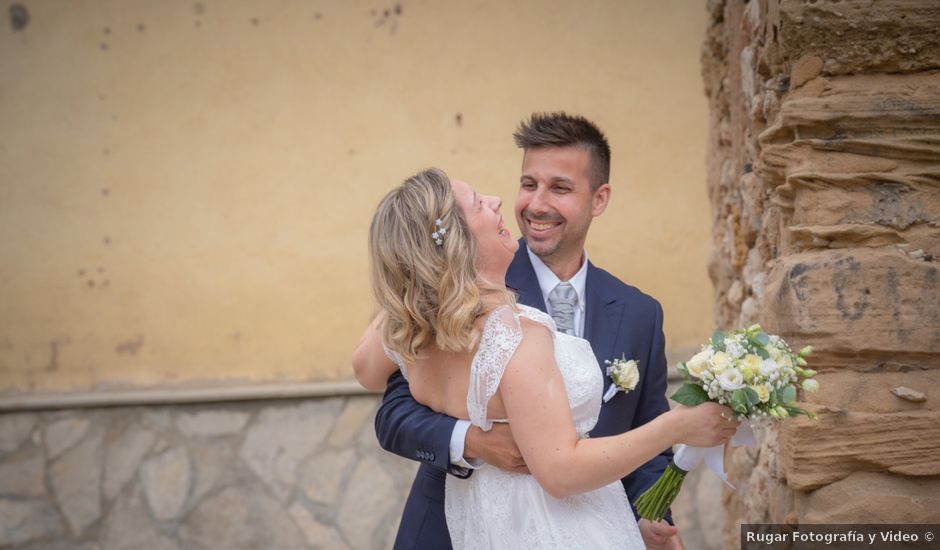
x,y
185,187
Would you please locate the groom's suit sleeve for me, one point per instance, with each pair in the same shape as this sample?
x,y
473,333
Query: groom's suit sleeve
x,y
652,404
411,430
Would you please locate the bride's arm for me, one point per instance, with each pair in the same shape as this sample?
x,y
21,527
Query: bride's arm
x,y
533,393
371,365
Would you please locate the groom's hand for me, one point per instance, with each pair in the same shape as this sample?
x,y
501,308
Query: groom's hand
x,y
495,447
660,536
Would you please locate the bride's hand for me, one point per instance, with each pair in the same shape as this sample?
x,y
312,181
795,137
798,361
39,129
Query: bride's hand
x,y
705,425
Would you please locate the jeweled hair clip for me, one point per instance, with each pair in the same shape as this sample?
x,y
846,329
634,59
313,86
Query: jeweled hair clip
x,y
438,235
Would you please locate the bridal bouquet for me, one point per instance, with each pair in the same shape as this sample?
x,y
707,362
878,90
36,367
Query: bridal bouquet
x,y
757,375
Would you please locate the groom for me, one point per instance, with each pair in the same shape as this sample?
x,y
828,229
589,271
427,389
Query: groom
x,y
563,187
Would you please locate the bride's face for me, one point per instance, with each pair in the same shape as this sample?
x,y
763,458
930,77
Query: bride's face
x,y
495,246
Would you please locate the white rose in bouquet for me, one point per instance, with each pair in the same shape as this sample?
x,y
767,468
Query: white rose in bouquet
x,y
731,379
719,362
698,364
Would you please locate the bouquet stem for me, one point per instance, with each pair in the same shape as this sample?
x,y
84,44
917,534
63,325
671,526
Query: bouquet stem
x,y
655,501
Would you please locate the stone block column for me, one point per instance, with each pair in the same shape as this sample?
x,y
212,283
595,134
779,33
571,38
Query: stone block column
x,y
824,178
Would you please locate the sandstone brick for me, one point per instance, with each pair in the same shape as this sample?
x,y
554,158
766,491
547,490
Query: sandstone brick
x,y
805,69
890,202
814,454
867,497
861,309
854,37
845,390
860,130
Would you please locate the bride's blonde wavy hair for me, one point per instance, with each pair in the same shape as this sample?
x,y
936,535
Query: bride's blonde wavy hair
x,y
431,294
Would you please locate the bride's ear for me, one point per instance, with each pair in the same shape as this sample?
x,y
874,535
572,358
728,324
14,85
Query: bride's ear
x,y
600,199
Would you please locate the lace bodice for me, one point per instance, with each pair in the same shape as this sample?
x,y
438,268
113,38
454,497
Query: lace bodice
x,y
502,334
495,509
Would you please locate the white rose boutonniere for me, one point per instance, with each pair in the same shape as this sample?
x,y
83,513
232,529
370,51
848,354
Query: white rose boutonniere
x,y
624,374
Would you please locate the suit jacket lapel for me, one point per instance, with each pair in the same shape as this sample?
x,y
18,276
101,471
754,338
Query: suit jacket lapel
x,y
602,317
521,277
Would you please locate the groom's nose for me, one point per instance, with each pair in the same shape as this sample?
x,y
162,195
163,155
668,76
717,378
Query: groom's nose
x,y
537,201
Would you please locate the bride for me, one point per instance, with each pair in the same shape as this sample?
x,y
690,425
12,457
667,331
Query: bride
x,y
439,254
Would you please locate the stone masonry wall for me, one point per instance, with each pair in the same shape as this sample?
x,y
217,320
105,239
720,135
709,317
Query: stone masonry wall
x,y
254,475
258,475
824,178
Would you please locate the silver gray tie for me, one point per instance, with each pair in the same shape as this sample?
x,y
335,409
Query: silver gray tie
x,y
562,300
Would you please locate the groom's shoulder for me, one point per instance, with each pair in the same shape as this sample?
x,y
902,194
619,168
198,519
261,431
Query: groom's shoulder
x,y
628,293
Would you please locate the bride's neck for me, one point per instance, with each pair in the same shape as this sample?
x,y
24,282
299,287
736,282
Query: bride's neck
x,y
492,301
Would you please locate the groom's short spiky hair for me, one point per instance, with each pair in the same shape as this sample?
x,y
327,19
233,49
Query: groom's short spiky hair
x,y
560,129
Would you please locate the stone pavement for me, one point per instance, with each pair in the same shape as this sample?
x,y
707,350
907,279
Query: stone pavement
x,y
278,474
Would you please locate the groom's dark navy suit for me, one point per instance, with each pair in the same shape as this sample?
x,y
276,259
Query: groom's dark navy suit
x,y
619,320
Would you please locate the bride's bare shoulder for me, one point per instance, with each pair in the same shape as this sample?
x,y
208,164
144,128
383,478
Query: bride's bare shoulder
x,y
536,338
534,355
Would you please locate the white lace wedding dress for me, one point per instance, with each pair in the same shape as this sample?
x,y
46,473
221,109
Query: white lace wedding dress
x,y
501,510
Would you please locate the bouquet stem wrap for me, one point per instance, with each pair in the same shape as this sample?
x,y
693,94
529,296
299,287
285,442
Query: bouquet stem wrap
x,y
655,501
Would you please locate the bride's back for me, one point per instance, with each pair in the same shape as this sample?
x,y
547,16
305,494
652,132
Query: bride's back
x,y
440,380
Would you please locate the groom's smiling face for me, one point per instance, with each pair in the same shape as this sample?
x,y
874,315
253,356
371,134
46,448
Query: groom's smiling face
x,y
556,204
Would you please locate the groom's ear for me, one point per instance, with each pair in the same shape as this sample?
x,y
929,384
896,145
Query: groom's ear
x,y
600,199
